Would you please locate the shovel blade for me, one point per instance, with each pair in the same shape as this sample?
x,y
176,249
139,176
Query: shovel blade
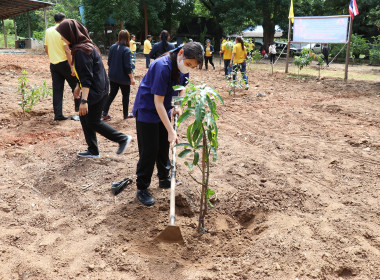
x,y
171,234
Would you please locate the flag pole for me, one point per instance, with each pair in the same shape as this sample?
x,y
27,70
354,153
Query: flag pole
x,y
348,49
288,47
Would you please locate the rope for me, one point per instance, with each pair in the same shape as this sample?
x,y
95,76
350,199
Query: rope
x,y
279,56
324,68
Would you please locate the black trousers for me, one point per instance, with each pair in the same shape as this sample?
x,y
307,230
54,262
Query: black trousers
x,y
207,59
152,139
147,60
125,90
272,58
92,123
59,73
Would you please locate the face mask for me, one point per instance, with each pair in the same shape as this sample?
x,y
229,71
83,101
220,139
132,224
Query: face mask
x,y
181,66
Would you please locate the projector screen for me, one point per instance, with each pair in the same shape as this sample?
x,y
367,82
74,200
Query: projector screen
x,y
320,30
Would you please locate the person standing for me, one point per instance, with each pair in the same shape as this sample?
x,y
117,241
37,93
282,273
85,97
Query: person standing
x,y
147,49
93,79
152,110
325,52
120,73
272,52
132,46
209,50
60,68
239,54
227,47
162,47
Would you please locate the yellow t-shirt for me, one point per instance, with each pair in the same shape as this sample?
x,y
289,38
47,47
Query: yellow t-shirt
x,y
55,45
239,53
147,46
208,51
224,40
132,46
227,53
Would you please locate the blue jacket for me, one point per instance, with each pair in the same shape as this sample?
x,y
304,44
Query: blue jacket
x,y
119,63
211,49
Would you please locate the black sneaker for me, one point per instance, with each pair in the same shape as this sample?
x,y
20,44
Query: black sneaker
x,y
61,118
164,183
145,197
87,154
123,145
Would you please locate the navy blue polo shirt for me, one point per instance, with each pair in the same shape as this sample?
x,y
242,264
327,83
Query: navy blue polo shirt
x,y
156,81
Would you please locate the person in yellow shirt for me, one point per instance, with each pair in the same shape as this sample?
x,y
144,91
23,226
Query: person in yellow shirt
x,y
61,68
147,49
227,48
239,54
132,45
209,51
223,39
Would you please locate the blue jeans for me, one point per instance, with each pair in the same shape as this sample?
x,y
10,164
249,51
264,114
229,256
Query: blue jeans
x,y
133,60
147,60
227,68
242,68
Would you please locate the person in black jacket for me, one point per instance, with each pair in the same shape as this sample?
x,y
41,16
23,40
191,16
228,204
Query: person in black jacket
x,y
162,47
209,50
325,52
120,73
92,76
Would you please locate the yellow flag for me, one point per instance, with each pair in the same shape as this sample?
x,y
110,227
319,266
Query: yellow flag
x,y
291,13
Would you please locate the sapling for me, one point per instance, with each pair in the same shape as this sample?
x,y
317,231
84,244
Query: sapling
x,y
321,61
202,137
304,59
31,96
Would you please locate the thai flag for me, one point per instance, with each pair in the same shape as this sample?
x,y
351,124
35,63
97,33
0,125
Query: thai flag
x,y
353,9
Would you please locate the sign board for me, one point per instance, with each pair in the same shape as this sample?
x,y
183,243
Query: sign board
x,y
320,29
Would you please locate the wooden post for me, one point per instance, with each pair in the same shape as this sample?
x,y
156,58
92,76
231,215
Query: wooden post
x,y
46,25
288,47
15,26
146,19
351,22
5,35
29,33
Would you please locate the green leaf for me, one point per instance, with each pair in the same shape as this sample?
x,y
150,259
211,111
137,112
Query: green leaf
x,y
184,153
182,145
189,165
200,108
185,116
188,134
179,88
196,158
214,158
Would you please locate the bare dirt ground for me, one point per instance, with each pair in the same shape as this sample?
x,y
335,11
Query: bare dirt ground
x,y
297,183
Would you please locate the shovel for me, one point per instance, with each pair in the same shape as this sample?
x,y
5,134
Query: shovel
x,y
172,233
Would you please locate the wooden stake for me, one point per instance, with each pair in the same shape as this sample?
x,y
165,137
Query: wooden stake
x,y
46,25
15,26
288,47
29,32
5,35
348,50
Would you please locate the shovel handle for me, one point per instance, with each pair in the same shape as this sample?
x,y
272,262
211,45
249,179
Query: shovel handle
x,y
173,179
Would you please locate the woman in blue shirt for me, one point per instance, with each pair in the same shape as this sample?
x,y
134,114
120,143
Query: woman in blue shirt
x,y
152,110
120,73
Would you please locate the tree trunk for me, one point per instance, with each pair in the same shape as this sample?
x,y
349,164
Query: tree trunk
x,y
268,27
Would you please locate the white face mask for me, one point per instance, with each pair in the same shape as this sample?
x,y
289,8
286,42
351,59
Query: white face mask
x,y
181,66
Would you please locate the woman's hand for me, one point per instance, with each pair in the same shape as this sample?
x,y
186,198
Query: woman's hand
x,y
133,81
83,109
76,92
173,138
177,110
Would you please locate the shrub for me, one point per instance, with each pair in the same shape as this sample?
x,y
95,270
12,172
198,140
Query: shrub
x,y
359,45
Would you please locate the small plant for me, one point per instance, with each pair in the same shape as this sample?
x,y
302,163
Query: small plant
x,y
30,97
321,61
202,135
304,59
237,83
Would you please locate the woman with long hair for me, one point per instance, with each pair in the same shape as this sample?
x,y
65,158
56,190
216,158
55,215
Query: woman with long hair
x,y
92,76
152,110
162,47
239,54
120,73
